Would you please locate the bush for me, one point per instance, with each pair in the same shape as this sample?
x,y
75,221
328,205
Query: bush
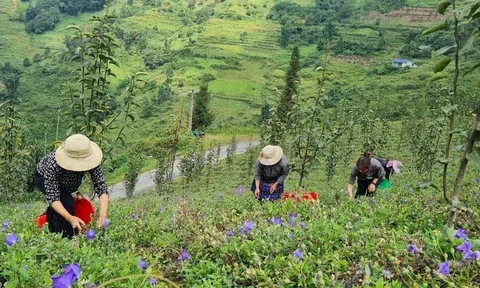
x,y
27,63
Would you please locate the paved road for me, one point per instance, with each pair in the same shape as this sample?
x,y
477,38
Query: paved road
x,y
145,180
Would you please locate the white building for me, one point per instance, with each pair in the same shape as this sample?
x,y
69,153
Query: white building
x,y
403,63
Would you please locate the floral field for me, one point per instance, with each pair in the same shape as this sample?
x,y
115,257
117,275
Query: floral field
x,y
222,237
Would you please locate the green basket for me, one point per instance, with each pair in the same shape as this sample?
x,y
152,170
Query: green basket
x,y
384,185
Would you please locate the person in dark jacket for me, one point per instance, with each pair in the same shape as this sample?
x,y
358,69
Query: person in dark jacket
x,y
271,170
60,173
369,173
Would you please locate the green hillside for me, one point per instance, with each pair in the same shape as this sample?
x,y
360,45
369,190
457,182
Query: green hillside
x,y
237,44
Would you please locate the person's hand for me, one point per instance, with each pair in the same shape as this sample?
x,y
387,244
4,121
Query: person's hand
x,y
76,223
372,188
257,192
101,220
273,188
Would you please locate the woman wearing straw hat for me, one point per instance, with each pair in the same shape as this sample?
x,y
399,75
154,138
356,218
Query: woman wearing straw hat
x,y
270,172
60,173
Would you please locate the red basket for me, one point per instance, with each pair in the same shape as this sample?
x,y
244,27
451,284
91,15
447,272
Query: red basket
x,y
83,210
307,196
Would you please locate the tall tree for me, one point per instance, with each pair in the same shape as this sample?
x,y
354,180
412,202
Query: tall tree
x,y
13,156
202,116
10,77
292,81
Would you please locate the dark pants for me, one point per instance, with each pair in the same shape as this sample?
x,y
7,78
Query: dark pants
x,y
265,194
362,188
56,222
388,172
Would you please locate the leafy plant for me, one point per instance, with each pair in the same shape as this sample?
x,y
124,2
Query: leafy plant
x,y
463,42
231,149
135,160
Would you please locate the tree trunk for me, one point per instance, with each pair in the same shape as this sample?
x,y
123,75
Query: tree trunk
x,y
461,170
190,116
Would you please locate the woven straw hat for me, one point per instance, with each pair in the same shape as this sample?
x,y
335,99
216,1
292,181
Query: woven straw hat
x,y
271,155
78,153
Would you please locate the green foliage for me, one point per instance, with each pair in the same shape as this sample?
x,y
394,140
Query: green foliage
x,y
14,155
42,17
204,14
89,97
27,63
202,115
384,6
412,50
135,162
290,91
265,112
74,7
193,163
231,149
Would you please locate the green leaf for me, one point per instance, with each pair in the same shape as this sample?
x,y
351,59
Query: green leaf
x,y
367,270
475,244
449,108
475,67
445,160
442,64
444,50
473,10
469,44
442,6
440,27
474,157
438,76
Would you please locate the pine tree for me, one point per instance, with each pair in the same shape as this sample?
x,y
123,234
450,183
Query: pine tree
x,y
202,116
292,81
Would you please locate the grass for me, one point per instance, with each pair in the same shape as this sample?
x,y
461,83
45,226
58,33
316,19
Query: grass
x,y
366,244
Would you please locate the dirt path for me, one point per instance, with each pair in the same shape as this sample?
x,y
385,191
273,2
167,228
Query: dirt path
x,y
145,180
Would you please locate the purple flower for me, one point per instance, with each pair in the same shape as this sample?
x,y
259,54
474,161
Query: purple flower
x,y
229,233
248,227
90,234
153,281
11,239
412,249
297,254
290,235
470,255
277,220
373,201
142,264
302,224
134,216
239,190
160,209
444,268
464,247
4,225
460,233
292,216
184,256
106,223
66,280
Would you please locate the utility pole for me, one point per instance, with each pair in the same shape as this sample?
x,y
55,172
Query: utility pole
x,y
192,103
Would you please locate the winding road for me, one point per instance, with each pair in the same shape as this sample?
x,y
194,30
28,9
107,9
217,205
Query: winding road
x,y
145,180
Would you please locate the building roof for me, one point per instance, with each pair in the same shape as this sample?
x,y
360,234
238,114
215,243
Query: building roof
x,y
400,61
